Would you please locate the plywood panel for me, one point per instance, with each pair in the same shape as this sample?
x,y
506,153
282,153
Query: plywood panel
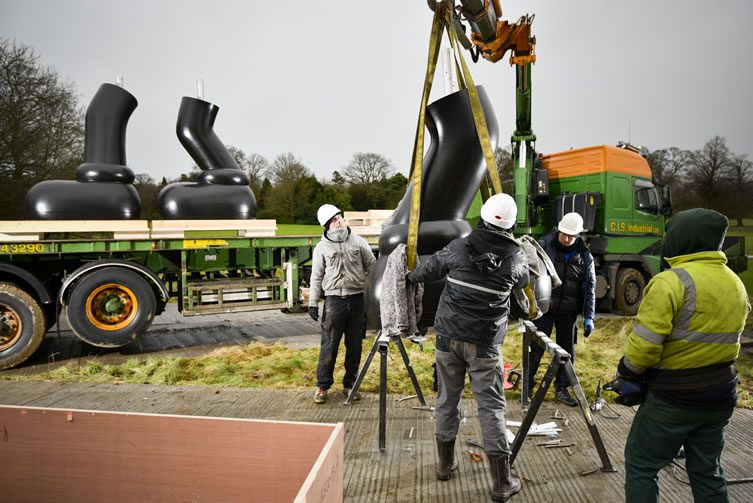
x,y
72,455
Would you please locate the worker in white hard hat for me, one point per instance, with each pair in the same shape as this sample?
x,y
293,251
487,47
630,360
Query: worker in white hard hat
x,y
575,296
341,261
481,270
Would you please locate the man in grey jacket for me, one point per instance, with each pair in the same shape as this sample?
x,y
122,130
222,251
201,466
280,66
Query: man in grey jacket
x,y
341,261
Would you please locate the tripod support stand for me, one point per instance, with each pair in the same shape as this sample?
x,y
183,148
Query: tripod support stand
x,y
381,344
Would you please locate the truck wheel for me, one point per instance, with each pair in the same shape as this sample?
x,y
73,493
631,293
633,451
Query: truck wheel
x,y
629,292
111,307
22,325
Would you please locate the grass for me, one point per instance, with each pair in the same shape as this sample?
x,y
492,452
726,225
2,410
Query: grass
x,y
275,366
298,230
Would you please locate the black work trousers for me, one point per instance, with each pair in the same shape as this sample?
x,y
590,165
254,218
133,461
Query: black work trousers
x,y
342,315
566,328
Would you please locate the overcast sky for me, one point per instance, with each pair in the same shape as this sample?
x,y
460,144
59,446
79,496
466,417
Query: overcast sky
x,y
326,79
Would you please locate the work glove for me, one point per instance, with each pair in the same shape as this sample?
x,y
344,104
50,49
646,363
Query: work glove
x,y
629,392
314,313
588,326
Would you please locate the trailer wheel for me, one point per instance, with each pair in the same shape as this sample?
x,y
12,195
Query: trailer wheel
x,y
111,307
22,325
629,291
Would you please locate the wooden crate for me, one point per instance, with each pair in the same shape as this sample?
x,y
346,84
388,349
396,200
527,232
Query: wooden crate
x,y
92,456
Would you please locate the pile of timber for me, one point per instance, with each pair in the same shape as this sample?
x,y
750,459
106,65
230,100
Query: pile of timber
x,y
39,230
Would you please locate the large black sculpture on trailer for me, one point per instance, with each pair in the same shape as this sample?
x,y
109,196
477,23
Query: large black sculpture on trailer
x,y
103,187
221,190
454,168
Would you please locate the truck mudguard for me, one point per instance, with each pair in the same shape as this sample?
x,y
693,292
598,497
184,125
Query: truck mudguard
x,y
152,278
25,280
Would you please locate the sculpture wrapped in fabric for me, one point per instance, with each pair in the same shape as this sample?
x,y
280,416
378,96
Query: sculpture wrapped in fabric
x,y
454,168
221,190
102,189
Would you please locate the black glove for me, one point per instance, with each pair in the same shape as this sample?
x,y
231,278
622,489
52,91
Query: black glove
x,y
314,313
630,392
410,279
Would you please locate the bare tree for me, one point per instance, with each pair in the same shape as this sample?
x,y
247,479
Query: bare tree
x,y
255,165
709,168
503,159
741,187
366,167
41,125
668,164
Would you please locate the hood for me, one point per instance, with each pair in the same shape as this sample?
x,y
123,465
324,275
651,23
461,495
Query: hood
x,y
694,231
490,249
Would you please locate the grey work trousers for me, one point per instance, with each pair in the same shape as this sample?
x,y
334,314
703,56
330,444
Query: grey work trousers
x,y
341,316
484,366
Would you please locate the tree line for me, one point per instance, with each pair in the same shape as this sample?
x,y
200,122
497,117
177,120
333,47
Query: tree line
x,y
711,177
42,137
288,191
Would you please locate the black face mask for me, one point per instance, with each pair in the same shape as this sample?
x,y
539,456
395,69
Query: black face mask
x,y
563,248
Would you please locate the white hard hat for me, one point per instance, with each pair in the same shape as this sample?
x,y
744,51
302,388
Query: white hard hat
x,y
325,213
571,224
500,210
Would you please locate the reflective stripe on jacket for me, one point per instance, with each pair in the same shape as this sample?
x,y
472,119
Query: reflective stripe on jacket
x,y
691,316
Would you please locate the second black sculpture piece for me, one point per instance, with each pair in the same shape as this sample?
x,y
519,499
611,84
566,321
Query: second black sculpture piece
x,y
454,168
222,189
102,189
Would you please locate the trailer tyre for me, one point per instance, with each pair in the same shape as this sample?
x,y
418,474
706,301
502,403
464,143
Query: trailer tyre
x,y
629,292
111,307
22,325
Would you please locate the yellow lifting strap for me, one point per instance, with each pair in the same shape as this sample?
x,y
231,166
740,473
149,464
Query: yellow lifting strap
x,y
478,113
442,19
417,167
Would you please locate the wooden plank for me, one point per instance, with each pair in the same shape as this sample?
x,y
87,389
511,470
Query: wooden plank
x,y
325,480
42,226
211,225
115,456
21,237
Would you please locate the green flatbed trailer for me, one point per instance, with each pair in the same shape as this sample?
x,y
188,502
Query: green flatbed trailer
x,y
111,289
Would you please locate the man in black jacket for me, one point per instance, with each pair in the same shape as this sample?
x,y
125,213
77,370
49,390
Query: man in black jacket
x,y
481,269
576,295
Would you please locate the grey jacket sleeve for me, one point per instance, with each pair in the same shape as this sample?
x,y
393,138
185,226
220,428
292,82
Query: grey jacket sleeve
x,y
367,256
317,273
520,275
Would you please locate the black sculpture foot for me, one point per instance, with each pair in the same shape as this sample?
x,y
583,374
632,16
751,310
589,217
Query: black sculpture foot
x,y
188,201
69,200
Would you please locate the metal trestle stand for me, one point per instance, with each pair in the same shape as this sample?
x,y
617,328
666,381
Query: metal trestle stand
x,y
381,344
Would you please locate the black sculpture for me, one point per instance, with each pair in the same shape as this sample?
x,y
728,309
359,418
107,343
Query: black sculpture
x,y
102,189
222,189
454,168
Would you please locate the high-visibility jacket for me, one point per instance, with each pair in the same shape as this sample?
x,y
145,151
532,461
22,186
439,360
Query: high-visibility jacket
x,y
691,316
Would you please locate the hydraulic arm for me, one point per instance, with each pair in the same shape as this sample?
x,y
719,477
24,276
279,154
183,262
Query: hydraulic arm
x,y
491,38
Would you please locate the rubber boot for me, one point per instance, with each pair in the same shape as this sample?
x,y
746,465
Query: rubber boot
x,y
505,483
447,462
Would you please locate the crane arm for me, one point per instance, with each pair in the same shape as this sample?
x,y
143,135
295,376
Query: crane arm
x,y
491,35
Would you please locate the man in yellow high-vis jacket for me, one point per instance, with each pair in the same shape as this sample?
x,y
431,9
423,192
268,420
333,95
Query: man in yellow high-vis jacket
x,y
684,342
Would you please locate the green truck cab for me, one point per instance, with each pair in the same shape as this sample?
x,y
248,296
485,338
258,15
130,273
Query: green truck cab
x,y
624,215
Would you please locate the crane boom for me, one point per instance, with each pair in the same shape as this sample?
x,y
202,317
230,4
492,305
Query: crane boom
x,y
492,37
